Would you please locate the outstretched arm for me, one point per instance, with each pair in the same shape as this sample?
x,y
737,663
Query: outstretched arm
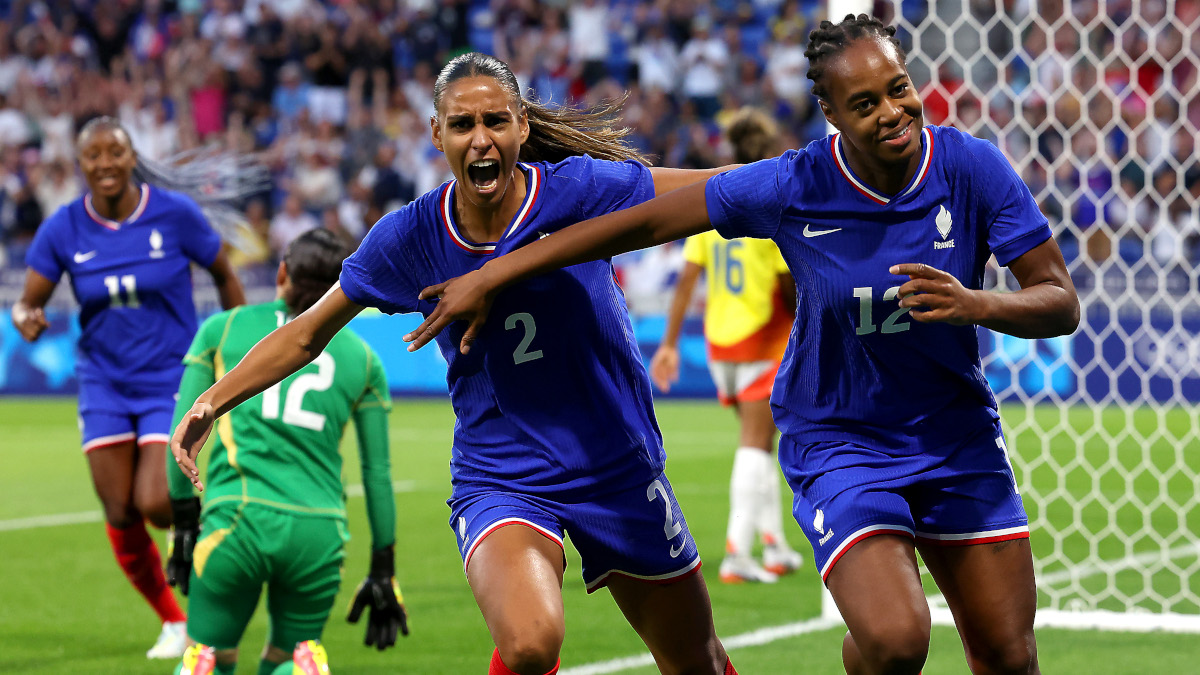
x,y
276,356
672,216
1046,306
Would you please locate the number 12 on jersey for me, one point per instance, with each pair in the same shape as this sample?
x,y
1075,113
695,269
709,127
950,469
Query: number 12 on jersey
x,y
866,324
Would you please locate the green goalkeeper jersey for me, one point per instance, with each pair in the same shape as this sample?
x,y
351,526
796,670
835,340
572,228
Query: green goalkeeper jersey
x,y
281,447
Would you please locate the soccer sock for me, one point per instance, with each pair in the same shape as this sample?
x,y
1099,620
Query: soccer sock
x,y
729,667
770,515
138,556
745,495
497,666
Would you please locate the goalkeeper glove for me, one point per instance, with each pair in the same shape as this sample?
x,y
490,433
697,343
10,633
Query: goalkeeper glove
x,y
184,533
380,594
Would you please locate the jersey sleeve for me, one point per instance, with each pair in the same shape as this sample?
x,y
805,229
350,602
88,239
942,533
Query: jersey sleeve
x,y
376,394
611,186
748,201
199,241
378,273
694,250
1014,222
371,425
47,252
198,376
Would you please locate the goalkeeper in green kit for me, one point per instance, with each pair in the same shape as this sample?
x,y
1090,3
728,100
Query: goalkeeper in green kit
x,y
275,510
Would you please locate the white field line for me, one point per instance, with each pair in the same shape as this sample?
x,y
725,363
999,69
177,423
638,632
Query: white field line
x,y
55,519
761,636
941,615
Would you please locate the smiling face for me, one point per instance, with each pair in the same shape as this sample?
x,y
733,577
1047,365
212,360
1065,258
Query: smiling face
x,y
480,127
873,103
107,160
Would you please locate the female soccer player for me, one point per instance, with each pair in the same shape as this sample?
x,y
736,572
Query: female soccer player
x,y
890,436
127,246
555,429
747,315
275,514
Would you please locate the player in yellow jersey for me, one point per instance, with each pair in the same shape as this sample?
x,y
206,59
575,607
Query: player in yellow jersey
x,y
747,318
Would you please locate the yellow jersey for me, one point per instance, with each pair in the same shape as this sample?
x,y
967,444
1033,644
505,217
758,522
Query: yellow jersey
x,y
745,318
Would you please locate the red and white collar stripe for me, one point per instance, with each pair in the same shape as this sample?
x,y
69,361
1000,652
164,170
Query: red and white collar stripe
x,y
112,224
839,158
531,193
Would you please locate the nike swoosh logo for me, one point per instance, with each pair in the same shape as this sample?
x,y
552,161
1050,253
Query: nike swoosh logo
x,y
809,232
543,235
81,258
676,551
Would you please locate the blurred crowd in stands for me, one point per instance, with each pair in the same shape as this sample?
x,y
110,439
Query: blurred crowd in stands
x,y
1096,104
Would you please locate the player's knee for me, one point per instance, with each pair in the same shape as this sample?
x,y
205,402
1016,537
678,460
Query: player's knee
x,y
895,646
119,513
1016,655
532,651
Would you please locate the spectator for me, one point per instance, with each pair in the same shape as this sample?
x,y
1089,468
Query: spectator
x,y
291,221
703,60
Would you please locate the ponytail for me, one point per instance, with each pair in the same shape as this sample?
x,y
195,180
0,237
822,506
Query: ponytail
x,y
558,133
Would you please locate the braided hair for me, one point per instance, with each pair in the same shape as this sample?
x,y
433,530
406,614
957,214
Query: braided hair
x,y
555,133
829,39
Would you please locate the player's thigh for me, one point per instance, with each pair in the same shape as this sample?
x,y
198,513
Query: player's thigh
x,y
674,620
516,575
307,573
990,590
113,467
758,426
877,588
228,572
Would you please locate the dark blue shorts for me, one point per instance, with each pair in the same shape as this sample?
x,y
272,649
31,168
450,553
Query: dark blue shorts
x,y
959,494
111,414
639,532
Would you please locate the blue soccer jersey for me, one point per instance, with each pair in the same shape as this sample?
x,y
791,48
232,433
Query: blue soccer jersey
x,y
133,284
858,367
553,395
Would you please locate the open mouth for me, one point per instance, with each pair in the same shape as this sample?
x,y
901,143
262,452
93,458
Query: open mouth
x,y
484,174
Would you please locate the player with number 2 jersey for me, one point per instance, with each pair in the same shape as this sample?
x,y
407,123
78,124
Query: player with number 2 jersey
x,y
555,431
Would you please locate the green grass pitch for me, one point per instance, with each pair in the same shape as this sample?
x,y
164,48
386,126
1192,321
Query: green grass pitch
x,y
66,608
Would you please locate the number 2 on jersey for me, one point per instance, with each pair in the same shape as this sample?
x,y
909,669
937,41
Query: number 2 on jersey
x,y
670,527
522,354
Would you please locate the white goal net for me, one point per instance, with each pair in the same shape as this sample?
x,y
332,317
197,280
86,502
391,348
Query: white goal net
x,y
1096,104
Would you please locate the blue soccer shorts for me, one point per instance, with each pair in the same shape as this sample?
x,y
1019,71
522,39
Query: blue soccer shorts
x,y
638,533
959,494
110,414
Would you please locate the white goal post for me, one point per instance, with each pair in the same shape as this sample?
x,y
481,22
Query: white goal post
x,y
1096,104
